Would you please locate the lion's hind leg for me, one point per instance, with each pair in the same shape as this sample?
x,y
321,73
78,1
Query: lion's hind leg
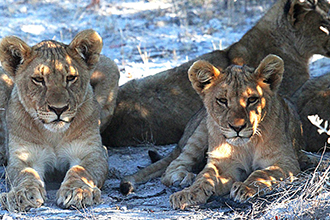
x,y
179,172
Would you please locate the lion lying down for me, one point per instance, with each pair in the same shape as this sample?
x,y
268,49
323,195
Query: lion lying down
x,y
53,122
276,33
254,136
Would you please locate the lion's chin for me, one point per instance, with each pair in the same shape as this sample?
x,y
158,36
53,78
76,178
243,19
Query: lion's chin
x,y
237,141
58,126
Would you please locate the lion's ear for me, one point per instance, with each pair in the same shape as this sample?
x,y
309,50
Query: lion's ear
x,y
297,9
88,45
13,52
270,71
201,74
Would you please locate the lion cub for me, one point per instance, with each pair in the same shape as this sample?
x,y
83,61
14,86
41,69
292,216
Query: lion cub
x,y
53,121
254,136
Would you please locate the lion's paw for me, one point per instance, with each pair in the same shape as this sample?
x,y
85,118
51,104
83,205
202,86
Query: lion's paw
x,y
178,178
23,197
185,198
77,197
240,192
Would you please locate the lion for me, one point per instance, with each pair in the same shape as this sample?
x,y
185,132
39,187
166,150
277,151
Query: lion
x,y
311,99
295,30
254,135
285,22
104,81
188,157
53,122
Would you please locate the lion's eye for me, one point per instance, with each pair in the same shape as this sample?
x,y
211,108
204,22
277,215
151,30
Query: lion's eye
x,y
252,100
222,101
38,79
71,78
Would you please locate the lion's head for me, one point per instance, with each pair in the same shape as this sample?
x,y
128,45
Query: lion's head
x,y
52,78
238,98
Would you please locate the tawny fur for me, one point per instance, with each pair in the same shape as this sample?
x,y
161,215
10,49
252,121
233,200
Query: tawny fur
x,y
53,122
104,81
311,99
254,137
146,108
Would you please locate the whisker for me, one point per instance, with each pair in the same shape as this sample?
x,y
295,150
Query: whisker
x,y
83,102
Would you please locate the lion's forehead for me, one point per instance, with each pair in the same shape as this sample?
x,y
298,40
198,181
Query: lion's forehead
x,y
52,56
50,46
240,89
44,65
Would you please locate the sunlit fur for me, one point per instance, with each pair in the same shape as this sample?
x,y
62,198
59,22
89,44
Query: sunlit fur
x,y
53,122
254,137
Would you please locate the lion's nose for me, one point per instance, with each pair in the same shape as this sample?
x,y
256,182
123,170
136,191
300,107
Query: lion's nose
x,y
58,110
237,128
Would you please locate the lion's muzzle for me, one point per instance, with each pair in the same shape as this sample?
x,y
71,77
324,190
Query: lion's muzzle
x,y
57,117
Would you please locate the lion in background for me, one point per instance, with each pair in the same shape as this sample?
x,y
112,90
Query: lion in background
x,y
254,137
295,30
53,121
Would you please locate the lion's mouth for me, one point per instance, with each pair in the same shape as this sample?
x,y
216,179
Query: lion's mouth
x,y
238,140
58,125
59,120
239,135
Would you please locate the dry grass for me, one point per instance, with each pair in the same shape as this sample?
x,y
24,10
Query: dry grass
x,y
306,197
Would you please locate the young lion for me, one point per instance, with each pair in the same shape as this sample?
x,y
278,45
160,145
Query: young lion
x,y
254,137
291,29
52,120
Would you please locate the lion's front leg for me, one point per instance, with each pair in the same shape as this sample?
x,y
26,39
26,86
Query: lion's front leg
x,y
262,181
78,189
81,185
210,181
27,191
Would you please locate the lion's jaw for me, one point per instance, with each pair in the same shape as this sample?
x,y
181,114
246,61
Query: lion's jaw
x,y
238,138
55,123
57,126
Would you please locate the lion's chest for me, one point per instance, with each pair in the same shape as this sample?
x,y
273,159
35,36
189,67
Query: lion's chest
x,y
247,160
241,161
67,154
54,152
